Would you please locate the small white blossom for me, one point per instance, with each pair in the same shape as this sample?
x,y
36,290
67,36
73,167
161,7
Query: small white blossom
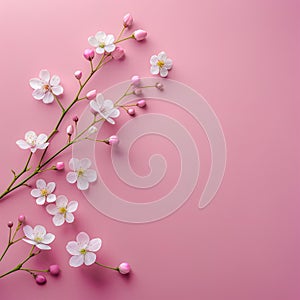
x,y
33,142
92,130
160,64
45,88
38,237
105,108
43,192
83,250
81,173
102,42
62,210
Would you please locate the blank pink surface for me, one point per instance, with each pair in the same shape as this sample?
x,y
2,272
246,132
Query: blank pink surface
x,y
243,57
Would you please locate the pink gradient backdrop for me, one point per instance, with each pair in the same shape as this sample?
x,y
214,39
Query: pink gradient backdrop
x,y
243,57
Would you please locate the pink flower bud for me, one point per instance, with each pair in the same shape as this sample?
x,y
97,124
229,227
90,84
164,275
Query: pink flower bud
x,y
127,20
60,165
40,279
54,270
21,218
118,53
124,268
75,119
159,86
113,140
70,130
140,35
136,80
10,224
78,75
141,103
138,92
131,111
91,95
89,54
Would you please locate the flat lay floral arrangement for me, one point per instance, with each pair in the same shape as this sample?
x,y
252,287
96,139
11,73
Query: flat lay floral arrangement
x,y
47,89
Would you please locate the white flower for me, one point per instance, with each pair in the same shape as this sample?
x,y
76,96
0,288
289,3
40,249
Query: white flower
x,y
38,237
102,42
43,192
82,174
45,88
82,250
33,142
104,108
62,210
160,64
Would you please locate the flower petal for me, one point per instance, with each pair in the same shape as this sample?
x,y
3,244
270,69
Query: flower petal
x,y
153,60
82,183
57,90
89,258
100,36
93,41
35,83
76,260
100,50
39,230
42,146
55,80
43,247
44,75
94,245
83,238
41,184
40,200
35,193
69,217
109,39
58,219
41,139
51,198
28,231
51,187
22,144
85,163
169,63
100,99
110,48
162,56
154,70
52,209
31,242
48,98
163,72
73,248
91,175
48,238
74,164
72,206
38,94
62,201
94,106
114,113
72,177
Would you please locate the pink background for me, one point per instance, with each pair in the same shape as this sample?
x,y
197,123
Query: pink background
x,y
243,57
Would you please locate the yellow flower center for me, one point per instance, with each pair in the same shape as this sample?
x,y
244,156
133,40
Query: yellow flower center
x,y
44,192
160,63
38,239
80,172
102,45
63,210
83,251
